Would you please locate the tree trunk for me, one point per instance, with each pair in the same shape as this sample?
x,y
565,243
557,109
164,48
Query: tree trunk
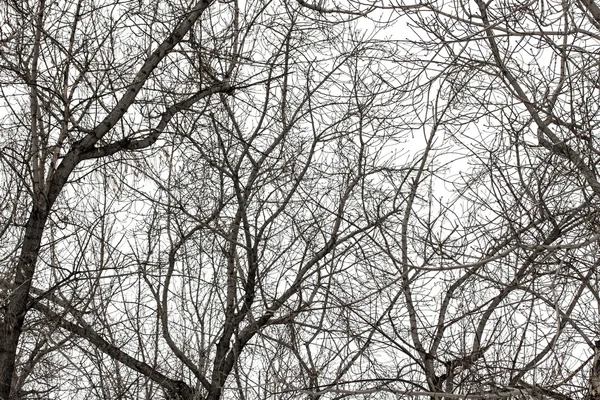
x,y
13,314
595,375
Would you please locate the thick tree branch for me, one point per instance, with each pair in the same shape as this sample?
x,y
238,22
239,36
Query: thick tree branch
x,y
86,332
145,142
143,74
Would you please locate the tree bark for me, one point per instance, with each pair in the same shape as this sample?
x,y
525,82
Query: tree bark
x,y
595,375
14,312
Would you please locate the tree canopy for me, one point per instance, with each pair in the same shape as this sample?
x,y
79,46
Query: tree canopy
x,y
269,199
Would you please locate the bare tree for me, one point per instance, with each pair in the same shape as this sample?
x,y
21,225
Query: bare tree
x,y
510,254
74,74
268,169
268,199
